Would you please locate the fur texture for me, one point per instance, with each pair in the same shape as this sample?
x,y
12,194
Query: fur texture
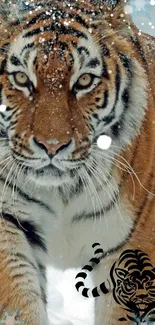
x,y
70,72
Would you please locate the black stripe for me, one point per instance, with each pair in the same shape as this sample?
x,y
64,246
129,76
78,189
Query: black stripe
x,y
103,288
4,48
94,260
109,118
105,50
105,73
95,244
32,199
125,256
99,251
38,17
30,230
79,284
5,117
42,269
85,292
93,63
126,97
139,266
8,109
23,259
3,66
81,275
43,296
15,61
85,11
87,268
84,216
126,61
116,128
105,100
74,190
27,47
20,259
95,292
13,124
1,87
63,45
83,49
58,14
117,82
59,28
122,319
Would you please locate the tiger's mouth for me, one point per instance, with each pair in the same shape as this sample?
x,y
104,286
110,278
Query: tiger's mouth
x,y
58,166
142,306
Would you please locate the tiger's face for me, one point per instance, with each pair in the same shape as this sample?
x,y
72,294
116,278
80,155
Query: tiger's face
x,y
63,87
135,289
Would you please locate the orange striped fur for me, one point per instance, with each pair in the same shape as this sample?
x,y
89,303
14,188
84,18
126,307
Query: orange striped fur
x,y
134,166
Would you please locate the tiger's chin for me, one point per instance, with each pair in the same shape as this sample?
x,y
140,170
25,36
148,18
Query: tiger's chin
x,y
49,177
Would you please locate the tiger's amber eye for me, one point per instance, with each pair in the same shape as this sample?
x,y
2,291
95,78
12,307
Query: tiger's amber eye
x,y
21,78
85,80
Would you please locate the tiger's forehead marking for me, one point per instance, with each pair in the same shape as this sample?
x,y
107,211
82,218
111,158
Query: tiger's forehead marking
x,y
87,48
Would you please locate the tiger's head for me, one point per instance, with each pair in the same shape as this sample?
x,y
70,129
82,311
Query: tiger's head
x,y
134,282
68,75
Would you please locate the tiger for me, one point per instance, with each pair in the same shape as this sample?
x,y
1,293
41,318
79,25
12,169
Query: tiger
x,y
71,72
132,281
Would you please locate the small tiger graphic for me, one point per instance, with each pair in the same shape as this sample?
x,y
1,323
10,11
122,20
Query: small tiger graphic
x,y
132,281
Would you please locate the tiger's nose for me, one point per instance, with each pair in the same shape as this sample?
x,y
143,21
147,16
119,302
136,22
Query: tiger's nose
x,y
51,146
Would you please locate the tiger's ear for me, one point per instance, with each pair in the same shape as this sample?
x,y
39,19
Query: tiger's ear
x,y
121,273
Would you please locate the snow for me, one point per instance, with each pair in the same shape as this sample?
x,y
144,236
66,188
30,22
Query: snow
x,y
66,306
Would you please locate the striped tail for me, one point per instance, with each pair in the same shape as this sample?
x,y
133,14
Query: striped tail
x,y
82,275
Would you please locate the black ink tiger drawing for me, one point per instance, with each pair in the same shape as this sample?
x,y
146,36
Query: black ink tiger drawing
x,y
132,281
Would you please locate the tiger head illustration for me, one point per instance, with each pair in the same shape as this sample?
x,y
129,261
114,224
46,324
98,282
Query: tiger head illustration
x,y
134,282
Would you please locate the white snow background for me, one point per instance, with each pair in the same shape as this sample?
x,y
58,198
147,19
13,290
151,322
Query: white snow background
x,y
74,308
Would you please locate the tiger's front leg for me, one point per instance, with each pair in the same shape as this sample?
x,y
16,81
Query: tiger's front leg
x,y
19,277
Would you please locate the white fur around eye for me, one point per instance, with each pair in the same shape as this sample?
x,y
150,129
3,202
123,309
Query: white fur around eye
x,y
22,88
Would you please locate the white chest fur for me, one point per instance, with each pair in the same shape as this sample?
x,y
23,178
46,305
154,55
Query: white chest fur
x,y
76,227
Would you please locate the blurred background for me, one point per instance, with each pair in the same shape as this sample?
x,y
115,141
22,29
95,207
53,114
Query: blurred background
x,y
143,14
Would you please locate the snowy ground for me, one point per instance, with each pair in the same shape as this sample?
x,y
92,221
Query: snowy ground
x,y
74,309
